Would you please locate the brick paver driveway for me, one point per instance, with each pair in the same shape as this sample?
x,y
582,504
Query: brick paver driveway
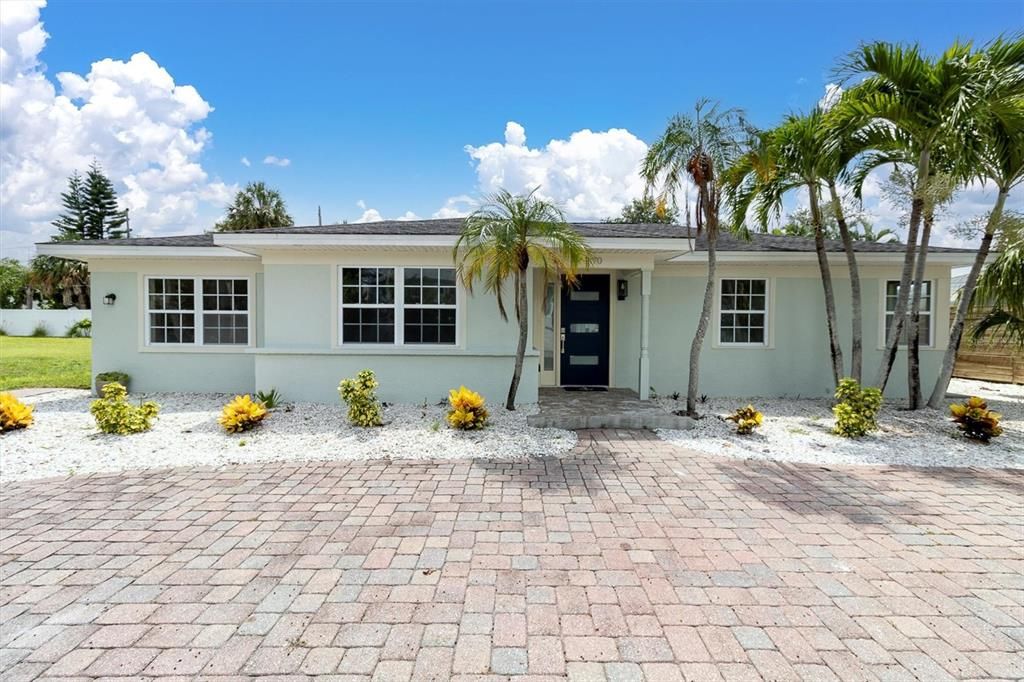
x,y
630,560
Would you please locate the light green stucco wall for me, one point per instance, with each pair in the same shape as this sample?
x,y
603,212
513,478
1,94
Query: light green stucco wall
x,y
798,363
117,346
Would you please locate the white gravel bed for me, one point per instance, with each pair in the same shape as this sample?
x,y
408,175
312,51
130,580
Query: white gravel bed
x,y
64,440
801,431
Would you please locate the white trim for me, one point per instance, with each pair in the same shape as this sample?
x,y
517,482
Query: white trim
x,y
87,251
863,258
399,307
294,240
933,286
769,315
197,346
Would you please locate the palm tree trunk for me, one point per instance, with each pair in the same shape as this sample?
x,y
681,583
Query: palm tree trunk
x,y
524,330
693,380
835,349
892,343
857,322
914,397
956,332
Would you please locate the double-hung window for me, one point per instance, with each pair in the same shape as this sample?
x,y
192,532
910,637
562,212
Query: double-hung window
x,y
743,312
197,311
398,305
892,292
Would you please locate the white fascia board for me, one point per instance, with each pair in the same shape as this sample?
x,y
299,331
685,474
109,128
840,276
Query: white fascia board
x,y
290,240
836,258
88,251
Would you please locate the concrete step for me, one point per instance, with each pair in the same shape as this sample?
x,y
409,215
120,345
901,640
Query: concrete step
x,y
647,419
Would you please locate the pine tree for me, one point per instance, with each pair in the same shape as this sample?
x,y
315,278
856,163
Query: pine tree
x,y
103,218
71,223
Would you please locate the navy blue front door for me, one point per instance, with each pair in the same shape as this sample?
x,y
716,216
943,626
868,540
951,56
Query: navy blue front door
x,y
585,315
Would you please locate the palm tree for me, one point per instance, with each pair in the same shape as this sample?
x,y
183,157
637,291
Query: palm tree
x,y
1001,287
1001,162
792,156
255,207
908,99
52,276
699,147
502,240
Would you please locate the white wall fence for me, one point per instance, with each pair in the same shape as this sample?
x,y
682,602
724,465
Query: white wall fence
x,y
17,322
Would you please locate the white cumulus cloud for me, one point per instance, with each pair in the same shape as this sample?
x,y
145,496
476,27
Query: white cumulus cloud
x,y
272,160
591,175
245,161
372,215
130,116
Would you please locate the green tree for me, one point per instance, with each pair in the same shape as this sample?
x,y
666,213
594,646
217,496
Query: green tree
x,y
793,156
698,147
71,224
647,210
64,283
502,240
920,104
1001,288
13,280
255,207
103,218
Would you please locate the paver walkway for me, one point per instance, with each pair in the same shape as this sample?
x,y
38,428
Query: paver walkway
x,y
629,560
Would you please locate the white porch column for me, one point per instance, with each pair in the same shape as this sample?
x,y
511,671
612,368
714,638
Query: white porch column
x,y
645,334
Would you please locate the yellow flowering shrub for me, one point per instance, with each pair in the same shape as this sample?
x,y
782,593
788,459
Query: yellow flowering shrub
x,y
242,414
467,409
975,419
856,409
746,419
114,414
14,414
360,394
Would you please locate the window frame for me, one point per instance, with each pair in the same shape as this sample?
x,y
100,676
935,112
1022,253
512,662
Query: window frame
x,y
198,311
769,307
883,313
399,307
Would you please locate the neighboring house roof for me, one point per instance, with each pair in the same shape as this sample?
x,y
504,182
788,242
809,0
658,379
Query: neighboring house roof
x,y
956,283
763,243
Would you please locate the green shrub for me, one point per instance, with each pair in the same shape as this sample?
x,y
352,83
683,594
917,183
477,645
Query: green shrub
x,y
360,394
270,399
975,419
3,331
746,419
80,329
856,409
114,414
40,330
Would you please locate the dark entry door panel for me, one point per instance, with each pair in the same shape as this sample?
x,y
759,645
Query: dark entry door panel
x,y
585,316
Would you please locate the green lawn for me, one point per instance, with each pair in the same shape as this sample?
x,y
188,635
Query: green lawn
x,y
29,362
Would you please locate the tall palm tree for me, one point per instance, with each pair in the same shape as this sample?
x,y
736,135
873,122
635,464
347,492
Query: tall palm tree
x,y
792,156
911,99
1001,162
502,240
254,207
699,148
52,276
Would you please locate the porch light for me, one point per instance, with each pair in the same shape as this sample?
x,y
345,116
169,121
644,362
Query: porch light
x,y
109,299
623,289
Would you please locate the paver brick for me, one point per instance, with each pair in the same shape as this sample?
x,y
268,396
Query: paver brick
x,y
629,559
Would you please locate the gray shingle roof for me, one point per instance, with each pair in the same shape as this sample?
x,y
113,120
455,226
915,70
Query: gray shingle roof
x,y
452,226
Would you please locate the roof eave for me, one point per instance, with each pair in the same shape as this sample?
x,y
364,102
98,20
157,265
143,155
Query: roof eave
x,y
86,252
863,257
251,241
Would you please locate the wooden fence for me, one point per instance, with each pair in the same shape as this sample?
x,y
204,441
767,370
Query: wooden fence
x,y
988,360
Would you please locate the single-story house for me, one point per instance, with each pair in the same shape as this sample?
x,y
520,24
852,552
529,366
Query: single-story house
x,y
299,308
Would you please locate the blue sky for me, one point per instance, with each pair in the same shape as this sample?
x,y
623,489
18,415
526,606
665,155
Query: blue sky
x,y
375,103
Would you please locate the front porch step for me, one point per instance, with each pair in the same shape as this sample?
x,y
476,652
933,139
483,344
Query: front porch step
x,y
646,419
614,408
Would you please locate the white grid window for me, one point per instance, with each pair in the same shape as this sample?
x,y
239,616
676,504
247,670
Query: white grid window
x,y
429,305
743,312
892,292
173,305
368,305
398,305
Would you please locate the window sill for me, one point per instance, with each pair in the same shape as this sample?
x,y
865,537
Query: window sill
x,y
170,348
391,351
